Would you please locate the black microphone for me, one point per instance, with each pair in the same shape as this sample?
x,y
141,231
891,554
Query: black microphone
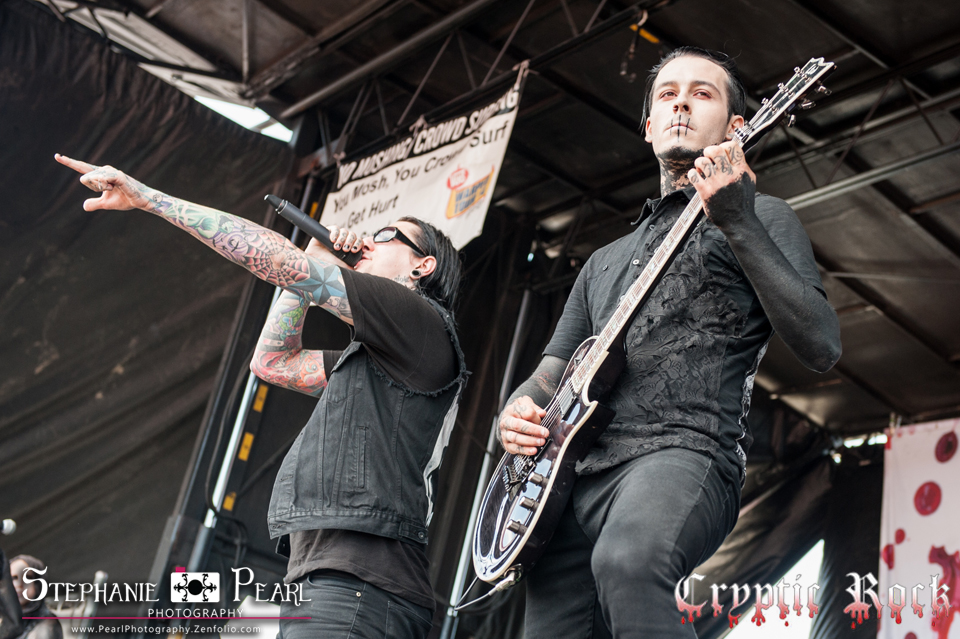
x,y
311,227
8,527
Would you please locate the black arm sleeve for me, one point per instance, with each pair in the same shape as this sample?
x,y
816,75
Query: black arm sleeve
x,y
775,254
575,324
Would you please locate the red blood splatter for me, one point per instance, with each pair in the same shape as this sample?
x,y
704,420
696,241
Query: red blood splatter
x,y
950,564
927,498
899,536
887,555
946,447
910,635
733,619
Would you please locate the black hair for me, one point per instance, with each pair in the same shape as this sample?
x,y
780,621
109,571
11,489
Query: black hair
x,y
736,94
32,562
443,284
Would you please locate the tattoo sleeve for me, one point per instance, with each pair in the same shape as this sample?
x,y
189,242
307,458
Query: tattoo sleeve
x,y
266,254
541,386
279,358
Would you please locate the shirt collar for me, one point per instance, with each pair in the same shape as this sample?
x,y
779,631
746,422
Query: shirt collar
x,y
651,205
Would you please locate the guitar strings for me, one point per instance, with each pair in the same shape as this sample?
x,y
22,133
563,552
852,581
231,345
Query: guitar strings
x,y
555,411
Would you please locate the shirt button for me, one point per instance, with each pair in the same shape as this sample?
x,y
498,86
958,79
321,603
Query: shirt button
x,y
636,262
652,227
604,267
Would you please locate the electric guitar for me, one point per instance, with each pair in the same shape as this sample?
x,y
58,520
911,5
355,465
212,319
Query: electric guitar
x,y
528,493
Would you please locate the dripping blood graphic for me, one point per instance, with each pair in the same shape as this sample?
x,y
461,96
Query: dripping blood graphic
x,y
950,564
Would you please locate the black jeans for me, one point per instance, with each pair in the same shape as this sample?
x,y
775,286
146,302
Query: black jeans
x,y
346,607
628,535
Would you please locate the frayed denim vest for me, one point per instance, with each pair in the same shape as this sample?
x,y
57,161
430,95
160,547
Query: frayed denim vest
x,y
367,460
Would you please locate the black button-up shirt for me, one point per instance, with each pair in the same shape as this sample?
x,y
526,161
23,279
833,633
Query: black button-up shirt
x,y
694,347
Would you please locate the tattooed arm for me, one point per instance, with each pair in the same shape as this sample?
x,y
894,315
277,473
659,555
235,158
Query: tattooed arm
x,y
520,428
280,358
266,254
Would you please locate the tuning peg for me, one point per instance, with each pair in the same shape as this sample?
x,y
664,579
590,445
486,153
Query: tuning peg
x,y
791,120
796,69
807,104
823,90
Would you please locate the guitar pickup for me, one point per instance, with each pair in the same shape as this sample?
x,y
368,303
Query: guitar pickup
x,y
542,450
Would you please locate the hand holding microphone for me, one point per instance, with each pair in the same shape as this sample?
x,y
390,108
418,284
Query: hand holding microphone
x,y
311,227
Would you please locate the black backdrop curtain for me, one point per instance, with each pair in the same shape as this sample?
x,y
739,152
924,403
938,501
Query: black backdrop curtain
x,y
112,324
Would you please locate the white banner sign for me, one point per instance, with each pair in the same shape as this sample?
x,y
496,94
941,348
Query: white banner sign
x,y
920,533
443,174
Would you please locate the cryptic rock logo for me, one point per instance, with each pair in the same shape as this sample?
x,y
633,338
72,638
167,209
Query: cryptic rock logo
x,y
193,587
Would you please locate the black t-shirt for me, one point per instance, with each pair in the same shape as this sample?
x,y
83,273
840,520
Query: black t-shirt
x,y
693,348
407,340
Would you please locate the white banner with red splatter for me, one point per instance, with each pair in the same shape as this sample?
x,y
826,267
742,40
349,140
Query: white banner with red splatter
x,y
920,534
442,173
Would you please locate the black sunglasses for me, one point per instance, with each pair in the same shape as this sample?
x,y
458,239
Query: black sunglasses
x,y
388,233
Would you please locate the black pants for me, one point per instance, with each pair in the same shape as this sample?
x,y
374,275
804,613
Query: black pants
x,y
628,535
342,606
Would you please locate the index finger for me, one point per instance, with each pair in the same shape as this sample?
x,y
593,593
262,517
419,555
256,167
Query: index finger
x,y
76,165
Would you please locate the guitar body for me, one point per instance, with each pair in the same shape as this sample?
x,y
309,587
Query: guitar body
x,y
527,494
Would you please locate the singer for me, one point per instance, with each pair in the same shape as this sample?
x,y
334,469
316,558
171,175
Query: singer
x,y
354,495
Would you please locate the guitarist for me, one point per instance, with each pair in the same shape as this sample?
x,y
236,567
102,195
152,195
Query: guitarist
x,y
660,489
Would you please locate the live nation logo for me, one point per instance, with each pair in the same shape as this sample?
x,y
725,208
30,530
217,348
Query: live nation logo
x,y
787,597
194,587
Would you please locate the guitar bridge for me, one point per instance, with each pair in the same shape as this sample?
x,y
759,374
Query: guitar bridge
x,y
510,477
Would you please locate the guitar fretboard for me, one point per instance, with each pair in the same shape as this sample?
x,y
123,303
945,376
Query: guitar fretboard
x,y
638,291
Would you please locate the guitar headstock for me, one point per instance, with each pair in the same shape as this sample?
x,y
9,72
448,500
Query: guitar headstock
x,y
791,95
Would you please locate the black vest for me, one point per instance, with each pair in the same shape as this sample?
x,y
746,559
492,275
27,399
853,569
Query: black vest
x,y
368,457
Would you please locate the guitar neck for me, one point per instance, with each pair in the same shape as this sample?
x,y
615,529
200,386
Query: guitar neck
x,y
639,290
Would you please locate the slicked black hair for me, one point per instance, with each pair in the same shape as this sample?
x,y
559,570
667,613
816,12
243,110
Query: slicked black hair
x,y
443,284
736,94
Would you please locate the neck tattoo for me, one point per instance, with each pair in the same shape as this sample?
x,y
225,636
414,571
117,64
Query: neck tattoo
x,y
674,165
405,281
